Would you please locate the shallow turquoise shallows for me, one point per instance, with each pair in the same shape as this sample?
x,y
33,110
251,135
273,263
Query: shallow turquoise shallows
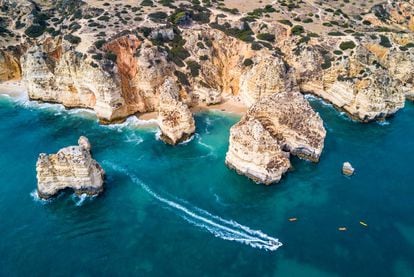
x,y
178,211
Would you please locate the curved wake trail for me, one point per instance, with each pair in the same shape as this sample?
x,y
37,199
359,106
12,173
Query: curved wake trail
x,y
219,227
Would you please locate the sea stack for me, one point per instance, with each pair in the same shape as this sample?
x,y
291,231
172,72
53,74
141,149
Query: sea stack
x,y
273,128
174,117
347,169
71,167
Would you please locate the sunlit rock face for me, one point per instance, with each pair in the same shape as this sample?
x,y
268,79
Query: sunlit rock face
x,y
71,167
275,127
175,119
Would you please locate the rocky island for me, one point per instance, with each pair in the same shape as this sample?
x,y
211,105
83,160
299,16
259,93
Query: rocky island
x,y
170,57
71,167
261,143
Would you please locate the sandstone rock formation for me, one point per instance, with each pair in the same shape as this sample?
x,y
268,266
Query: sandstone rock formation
x,y
224,70
54,72
9,67
175,119
272,129
72,167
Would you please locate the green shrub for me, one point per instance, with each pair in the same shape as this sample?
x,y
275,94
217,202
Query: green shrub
x,y
297,30
97,56
200,45
347,45
336,34
247,62
194,68
35,30
99,43
204,58
72,39
385,41
244,35
182,78
286,22
327,62
157,16
256,46
266,36
147,3
111,56
104,18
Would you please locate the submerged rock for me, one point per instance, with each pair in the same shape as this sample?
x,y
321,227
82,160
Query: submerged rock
x,y
72,167
347,169
174,117
273,128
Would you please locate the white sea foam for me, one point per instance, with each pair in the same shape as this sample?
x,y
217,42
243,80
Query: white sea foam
x,y
219,227
132,121
36,197
187,140
80,199
134,138
158,134
383,123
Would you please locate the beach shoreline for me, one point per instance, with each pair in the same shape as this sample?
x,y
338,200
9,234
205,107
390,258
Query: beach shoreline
x,y
230,105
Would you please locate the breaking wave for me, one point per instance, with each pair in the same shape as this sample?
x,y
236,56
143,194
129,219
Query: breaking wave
x,y
219,227
132,121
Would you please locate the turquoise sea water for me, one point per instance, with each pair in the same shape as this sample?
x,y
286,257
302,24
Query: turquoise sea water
x,y
178,211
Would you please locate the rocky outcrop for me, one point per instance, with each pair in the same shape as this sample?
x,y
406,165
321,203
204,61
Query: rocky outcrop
x,y
175,119
9,67
272,129
347,169
358,85
54,72
224,70
72,167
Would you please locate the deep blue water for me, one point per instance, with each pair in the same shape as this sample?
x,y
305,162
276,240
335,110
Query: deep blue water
x,y
172,211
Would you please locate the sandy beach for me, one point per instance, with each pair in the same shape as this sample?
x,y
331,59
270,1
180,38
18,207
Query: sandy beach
x,y
229,105
15,89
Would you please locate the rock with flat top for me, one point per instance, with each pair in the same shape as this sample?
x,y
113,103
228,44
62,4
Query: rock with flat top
x,y
274,128
71,167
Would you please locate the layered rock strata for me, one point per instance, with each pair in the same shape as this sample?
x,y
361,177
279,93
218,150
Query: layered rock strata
x,y
175,119
272,129
54,72
71,167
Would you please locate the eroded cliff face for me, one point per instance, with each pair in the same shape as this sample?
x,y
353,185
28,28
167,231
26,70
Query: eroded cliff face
x,y
272,129
224,68
53,72
9,66
372,83
72,167
175,119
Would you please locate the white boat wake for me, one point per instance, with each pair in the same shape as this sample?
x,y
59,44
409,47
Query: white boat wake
x,y
219,227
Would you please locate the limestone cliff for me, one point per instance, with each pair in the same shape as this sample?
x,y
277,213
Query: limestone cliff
x,y
9,66
272,129
54,72
72,167
224,68
359,85
174,117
